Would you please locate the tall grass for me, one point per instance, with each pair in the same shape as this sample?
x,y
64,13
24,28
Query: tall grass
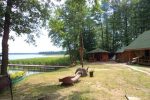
x,y
59,61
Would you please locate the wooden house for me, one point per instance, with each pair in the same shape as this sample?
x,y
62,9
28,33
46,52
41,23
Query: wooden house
x,y
121,55
98,55
124,56
140,48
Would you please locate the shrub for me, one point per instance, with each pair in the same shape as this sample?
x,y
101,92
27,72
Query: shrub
x,y
17,75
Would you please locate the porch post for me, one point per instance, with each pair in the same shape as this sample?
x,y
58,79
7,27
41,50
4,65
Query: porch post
x,y
129,56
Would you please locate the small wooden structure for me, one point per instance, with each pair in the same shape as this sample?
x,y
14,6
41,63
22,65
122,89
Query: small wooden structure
x,y
140,47
120,55
98,55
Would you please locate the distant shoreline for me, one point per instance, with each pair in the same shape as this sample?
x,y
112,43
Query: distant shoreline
x,y
39,53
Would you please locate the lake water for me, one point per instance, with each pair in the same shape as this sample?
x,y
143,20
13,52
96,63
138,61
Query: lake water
x,y
24,56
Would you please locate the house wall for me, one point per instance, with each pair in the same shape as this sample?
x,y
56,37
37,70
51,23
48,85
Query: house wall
x,y
104,57
91,58
139,53
98,57
131,55
119,57
125,56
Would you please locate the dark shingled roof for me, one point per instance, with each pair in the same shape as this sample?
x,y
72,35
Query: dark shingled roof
x,y
98,50
122,49
142,42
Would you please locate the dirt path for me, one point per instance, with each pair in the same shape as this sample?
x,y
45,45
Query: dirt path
x,y
138,69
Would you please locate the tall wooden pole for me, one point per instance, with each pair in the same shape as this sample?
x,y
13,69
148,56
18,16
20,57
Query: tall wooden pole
x,y
81,49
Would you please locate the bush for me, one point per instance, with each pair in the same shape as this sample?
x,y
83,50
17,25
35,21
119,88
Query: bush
x,y
17,75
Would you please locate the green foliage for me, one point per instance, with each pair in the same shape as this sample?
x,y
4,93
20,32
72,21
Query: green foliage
x,y
56,61
121,22
69,22
27,17
89,40
1,17
21,17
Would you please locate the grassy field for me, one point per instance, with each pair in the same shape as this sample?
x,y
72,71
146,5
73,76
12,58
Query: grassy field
x,y
55,60
110,82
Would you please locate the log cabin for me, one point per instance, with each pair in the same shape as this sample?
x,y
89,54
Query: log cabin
x,y
140,48
98,55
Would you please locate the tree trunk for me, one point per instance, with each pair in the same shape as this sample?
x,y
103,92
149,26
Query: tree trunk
x,y
102,35
113,40
5,38
70,55
126,36
107,35
81,49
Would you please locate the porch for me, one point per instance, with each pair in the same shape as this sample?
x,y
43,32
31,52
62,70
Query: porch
x,y
144,61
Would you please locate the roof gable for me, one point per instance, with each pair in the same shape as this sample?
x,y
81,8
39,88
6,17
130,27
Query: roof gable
x,y
98,50
142,42
122,49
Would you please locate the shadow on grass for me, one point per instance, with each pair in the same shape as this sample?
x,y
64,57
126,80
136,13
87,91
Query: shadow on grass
x,y
37,92
33,92
77,95
5,94
74,95
44,92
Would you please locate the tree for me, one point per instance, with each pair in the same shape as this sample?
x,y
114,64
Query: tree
x,y
22,17
130,18
89,34
67,27
106,24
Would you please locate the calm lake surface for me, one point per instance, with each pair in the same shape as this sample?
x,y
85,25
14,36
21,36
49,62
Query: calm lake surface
x,y
24,56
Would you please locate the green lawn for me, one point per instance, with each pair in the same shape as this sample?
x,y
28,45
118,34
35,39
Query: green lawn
x,y
110,82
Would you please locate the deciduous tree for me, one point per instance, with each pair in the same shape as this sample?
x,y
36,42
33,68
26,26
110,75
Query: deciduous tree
x,y
21,17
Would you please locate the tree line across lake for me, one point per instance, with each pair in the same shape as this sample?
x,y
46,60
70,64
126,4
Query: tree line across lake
x,y
53,52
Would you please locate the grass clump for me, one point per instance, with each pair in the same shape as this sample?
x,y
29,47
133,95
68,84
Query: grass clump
x,y
58,61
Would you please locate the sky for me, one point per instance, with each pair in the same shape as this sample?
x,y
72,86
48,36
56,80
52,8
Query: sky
x,y
43,43
20,46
